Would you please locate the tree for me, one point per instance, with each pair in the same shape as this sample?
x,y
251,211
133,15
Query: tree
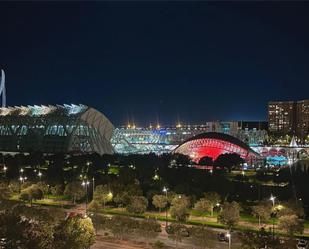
x,y
94,206
5,192
31,193
44,187
75,232
102,194
56,190
263,239
213,198
159,201
149,229
74,190
122,226
228,160
202,206
99,221
137,205
25,227
202,237
230,214
177,232
291,207
122,199
179,208
262,211
207,161
291,224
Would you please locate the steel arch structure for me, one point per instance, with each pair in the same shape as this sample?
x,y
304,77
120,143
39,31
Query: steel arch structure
x,y
52,129
214,144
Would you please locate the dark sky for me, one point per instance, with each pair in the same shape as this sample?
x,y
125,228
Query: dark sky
x,y
149,61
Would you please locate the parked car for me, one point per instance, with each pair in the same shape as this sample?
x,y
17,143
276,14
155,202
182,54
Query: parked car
x,y
302,244
223,237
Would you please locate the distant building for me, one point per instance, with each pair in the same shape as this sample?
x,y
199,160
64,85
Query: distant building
x,y
52,129
289,118
132,139
213,144
302,118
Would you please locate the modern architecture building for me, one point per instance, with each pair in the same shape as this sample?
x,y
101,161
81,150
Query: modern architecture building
x,y
131,139
52,129
213,144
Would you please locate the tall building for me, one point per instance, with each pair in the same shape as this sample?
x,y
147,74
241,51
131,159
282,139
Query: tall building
x,y
281,117
302,115
289,118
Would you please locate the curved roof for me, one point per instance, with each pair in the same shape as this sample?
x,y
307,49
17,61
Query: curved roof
x,y
59,128
194,148
219,136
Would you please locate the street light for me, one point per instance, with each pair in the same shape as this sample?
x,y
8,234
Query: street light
x,y
165,190
272,198
230,239
85,184
93,187
40,175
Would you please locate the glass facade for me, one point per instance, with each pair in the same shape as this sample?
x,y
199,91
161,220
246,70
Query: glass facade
x,y
52,129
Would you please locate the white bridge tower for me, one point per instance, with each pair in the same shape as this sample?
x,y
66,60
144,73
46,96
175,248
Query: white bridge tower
x,y
2,89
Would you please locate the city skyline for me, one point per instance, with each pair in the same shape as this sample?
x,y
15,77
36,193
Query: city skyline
x,y
184,62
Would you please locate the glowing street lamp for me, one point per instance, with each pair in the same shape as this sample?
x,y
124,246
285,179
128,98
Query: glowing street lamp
x,y
229,236
93,187
85,184
165,190
40,174
272,199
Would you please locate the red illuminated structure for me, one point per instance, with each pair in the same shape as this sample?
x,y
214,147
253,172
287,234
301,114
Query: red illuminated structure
x,y
213,144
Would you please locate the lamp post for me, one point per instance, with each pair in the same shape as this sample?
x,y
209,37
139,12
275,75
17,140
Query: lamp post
x,y
4,170
230,239
85,184
165,190
93,187
272,198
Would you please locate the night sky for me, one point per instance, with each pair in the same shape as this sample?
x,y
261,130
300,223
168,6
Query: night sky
x,y
157,61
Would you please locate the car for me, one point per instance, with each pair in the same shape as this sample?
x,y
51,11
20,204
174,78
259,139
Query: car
x,y
302,244
222,237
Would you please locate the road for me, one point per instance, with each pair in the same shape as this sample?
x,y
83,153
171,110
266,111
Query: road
x,y
103,242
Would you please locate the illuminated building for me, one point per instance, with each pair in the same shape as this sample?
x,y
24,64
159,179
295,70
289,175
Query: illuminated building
x,y
302,117
289,118
127,140
281,117
51,129
213,144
